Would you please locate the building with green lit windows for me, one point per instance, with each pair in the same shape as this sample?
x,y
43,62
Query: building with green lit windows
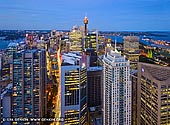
x,y
29,79
73,90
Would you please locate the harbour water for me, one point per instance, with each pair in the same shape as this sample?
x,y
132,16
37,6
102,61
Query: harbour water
x,y
4,43
163,37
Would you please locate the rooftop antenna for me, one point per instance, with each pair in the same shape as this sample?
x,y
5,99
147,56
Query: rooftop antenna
x,y
115,42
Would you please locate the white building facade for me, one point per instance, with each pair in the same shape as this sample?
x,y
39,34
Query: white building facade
x,y
117,90
73,90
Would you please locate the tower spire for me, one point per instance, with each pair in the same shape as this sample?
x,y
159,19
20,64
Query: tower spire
x,y
115,43
85,24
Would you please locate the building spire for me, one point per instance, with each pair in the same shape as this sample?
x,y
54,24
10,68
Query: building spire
x,y
85,24
115,44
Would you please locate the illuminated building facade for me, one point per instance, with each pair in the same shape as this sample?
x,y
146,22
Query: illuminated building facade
x,y
73,90
4,72
91,40
5,75
75,37
12,47
131,49
54,39
1,61
29,80
153,94
117,90
68,44
6,105
41,44
131,43
53,33
134,78
64,44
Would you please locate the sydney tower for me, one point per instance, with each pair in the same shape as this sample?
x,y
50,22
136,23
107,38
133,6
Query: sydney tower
x,y
85,23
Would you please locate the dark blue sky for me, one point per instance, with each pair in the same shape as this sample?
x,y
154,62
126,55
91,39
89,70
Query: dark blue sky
x,y
107,15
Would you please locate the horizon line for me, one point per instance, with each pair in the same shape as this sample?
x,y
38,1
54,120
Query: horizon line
x,y
89,30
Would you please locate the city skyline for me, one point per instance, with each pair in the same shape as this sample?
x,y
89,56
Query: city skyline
x,y
84,77
139,15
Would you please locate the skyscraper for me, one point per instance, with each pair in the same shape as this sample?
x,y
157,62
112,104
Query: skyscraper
x,y
1,61
5,99
117,90
53,33
75,37
131,49
29,79
12,47
94,85
134,78
91,40
153,104
73,89
91,57
4,71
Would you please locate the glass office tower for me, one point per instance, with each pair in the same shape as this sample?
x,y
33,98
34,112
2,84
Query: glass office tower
x,y
73,90
91,40
29,79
